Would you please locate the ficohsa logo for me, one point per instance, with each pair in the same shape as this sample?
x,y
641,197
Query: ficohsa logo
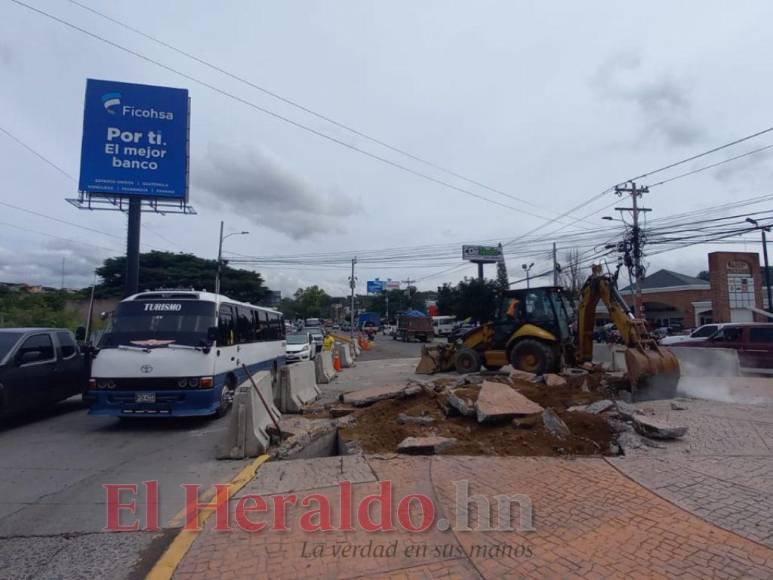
x,y
111,100
112,104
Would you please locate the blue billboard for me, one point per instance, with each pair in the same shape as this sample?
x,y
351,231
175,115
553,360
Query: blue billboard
x,y
135,141
375,286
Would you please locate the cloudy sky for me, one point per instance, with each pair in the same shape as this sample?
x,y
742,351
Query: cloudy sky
x,y
547,102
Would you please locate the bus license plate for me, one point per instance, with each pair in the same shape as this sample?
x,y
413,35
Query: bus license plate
x,y
145,398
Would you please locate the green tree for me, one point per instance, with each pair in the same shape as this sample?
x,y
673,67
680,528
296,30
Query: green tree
x,y
503,282
312,302
470,298
170,270
703,275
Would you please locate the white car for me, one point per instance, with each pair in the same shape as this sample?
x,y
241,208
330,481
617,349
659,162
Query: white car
x,y
700,333
300,347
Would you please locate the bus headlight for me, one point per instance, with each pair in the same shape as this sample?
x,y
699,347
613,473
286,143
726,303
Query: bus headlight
x,y
103,383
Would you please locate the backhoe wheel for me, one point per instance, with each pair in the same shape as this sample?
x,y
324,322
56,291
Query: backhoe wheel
x,y
533,356
467,361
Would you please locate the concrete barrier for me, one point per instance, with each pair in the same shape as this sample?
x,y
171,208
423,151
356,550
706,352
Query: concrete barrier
x,y
327,363
324,372
247,432
344,351
297,386
611,354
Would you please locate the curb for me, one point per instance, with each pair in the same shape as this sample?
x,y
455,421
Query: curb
x,y
165,568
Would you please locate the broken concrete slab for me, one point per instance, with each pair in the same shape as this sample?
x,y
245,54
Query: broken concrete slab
x,y
599,406
554,380
425,445
464,405
627,410
404,419
677,407
577,408
629,441
522,375
366,397
657,429
555,424
498,402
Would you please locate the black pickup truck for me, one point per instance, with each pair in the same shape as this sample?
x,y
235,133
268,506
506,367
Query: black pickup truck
x,y
39,367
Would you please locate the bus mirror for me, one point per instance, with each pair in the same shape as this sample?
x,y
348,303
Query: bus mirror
x,y
212,334
80,333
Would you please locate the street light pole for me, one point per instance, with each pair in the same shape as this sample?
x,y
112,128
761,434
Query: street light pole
x,y
527,269
769,290
220,255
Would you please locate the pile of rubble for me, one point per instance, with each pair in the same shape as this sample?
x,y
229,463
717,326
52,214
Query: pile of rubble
x,y
498,414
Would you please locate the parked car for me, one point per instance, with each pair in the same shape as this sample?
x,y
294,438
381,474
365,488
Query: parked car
x,y
300,347
753,341
700,333
39,367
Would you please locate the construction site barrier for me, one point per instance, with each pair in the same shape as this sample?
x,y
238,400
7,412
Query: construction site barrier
x,y
345,354
247,432
323,366
297,386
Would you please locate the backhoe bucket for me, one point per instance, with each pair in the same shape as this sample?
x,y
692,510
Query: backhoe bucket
x,y
436,359
653,369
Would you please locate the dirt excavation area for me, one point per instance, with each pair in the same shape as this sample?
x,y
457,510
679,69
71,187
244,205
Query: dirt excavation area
x,y
497,414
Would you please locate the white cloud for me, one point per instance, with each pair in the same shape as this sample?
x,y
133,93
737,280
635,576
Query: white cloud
x,y
257,186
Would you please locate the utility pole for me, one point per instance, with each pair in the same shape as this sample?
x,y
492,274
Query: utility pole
x,y
764,229
219,273
219,259
133,247
556,267
408,285
636,238
62,285
352,285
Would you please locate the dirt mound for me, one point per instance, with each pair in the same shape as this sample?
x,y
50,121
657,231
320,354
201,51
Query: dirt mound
x,y
377,430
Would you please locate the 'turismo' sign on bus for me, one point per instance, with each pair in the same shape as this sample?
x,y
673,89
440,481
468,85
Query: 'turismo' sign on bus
x,y
135,141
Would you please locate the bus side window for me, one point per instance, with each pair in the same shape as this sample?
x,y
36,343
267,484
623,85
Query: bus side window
x,y
225,326
282,329
265,331
246,331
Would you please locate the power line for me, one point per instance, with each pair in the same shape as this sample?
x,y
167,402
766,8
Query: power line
x,y
297,105
273,114
70,177
712,166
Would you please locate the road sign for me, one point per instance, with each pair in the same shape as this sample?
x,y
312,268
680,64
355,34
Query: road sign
x,y
135,141
375,286
482,254
392,284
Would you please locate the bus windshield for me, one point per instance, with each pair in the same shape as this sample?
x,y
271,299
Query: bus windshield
x,y
157,323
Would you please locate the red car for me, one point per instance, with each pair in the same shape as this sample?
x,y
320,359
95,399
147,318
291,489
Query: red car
x,y
753,341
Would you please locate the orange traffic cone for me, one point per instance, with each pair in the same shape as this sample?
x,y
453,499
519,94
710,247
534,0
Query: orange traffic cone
x,y
337,362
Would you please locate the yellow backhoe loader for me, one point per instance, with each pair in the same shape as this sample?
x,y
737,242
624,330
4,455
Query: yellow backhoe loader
x,y
536,330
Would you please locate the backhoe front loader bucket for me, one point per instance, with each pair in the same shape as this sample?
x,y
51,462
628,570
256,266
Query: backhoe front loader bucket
x,y
652,369
436,359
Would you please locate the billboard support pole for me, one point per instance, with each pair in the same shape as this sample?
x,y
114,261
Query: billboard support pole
x,y
480,271
133,247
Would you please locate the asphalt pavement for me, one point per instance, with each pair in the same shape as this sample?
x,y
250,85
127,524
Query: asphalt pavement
x,y
53,467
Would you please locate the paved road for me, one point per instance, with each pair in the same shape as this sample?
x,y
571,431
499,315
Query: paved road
x,y
53,505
